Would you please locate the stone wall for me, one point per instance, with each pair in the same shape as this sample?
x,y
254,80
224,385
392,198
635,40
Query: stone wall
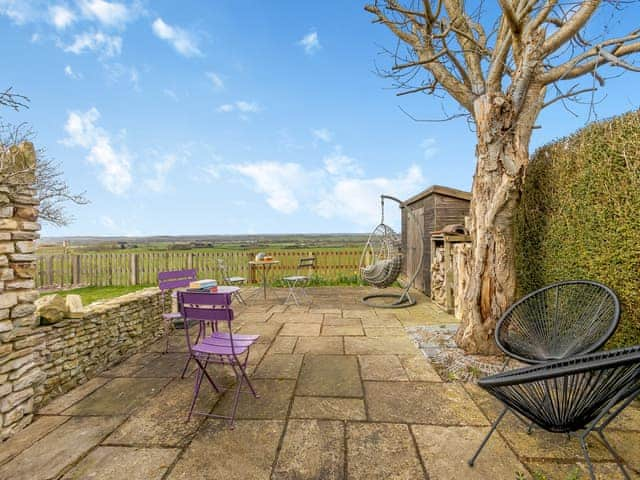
x,y
53,359
18,232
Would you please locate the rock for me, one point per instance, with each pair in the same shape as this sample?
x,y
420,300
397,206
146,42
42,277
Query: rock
x,y
27,213
50,308
25,246
8,299
75,309
24,270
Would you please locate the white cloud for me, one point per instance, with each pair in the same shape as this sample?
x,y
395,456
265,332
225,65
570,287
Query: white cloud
x,y
107,45
241,106
226,108
428,146
19,11
68,71
171,94
110,14
341,165
215,80
322,134
338,190
115,164
358,199
310,42
61,16
181,40
117,72
280,182
161,169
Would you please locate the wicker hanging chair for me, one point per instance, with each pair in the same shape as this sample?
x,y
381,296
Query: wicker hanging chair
x,y
381,263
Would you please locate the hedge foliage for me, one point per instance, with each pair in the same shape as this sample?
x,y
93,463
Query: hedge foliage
x,y
579,217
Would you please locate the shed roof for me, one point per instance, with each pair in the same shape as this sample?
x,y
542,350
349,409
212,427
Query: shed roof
x,y
439,189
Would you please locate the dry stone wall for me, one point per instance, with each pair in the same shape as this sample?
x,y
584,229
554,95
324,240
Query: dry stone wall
x,y
38,363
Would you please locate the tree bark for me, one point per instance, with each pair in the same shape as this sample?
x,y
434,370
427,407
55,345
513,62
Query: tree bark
x,y
502,156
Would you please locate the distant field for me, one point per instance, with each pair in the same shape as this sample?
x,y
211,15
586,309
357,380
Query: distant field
x,y
125,262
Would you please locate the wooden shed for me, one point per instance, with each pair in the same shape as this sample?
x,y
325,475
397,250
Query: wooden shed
x,y
435,208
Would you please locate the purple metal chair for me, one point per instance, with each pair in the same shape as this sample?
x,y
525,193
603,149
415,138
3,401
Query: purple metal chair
x,y
169,281
214,346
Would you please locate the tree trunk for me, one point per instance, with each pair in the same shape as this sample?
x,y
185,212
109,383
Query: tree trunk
x,y
502,157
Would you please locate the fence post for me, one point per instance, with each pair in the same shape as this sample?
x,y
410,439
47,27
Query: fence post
x,y
75,270
190,260
134,268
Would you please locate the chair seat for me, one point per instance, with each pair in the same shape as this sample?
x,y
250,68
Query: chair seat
x,y
295,278
210,349
236,280
223,339
171,316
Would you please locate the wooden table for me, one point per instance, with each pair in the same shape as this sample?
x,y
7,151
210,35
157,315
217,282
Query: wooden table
x,y
266,265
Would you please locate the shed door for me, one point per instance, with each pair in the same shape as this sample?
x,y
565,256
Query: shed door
x,y
413,247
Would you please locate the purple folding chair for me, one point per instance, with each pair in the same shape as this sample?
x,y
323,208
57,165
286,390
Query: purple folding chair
x,y
215,346
169,281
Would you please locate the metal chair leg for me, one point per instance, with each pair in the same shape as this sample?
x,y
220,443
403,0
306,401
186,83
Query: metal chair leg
x,y
486,439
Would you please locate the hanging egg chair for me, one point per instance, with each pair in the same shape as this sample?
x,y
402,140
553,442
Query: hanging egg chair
x,y
381,263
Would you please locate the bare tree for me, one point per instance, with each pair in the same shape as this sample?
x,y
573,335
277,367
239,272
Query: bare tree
x,y
502,64
53,192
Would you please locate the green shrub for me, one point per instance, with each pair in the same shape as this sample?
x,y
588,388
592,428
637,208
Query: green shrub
x,y
579,217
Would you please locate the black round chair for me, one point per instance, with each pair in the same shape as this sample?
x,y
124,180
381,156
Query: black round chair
x,y
578,395
558,321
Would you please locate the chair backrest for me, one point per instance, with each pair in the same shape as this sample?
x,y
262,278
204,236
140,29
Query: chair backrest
x,y
558,321
306,263
176,279
223,270
566,395
206,308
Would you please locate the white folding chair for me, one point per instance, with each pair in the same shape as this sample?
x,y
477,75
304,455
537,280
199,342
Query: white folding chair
x,y
299,281
232,281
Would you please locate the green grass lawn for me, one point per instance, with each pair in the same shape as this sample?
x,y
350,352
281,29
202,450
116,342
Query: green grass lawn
x,y
92,294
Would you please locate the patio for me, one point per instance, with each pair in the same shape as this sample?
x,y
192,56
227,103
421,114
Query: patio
x,y
345,393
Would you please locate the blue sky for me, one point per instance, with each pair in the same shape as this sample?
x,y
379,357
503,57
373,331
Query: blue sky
x,y
218,117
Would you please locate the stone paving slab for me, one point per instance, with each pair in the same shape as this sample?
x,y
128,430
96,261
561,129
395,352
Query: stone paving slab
x,y
116,463
118,397
275,397
49,456
328,408
418,369
382,367
320,345
162,421
381,451
279,366
415,402
329,375
283,345
313,450
218,453
342,330
168,365
60,404
446,450
131,365
561,471
379,346
27,437
267,331
300,329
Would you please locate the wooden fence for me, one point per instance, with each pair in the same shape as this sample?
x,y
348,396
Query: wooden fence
x,y
123,269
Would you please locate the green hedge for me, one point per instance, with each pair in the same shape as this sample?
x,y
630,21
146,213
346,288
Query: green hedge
x,y
580,215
